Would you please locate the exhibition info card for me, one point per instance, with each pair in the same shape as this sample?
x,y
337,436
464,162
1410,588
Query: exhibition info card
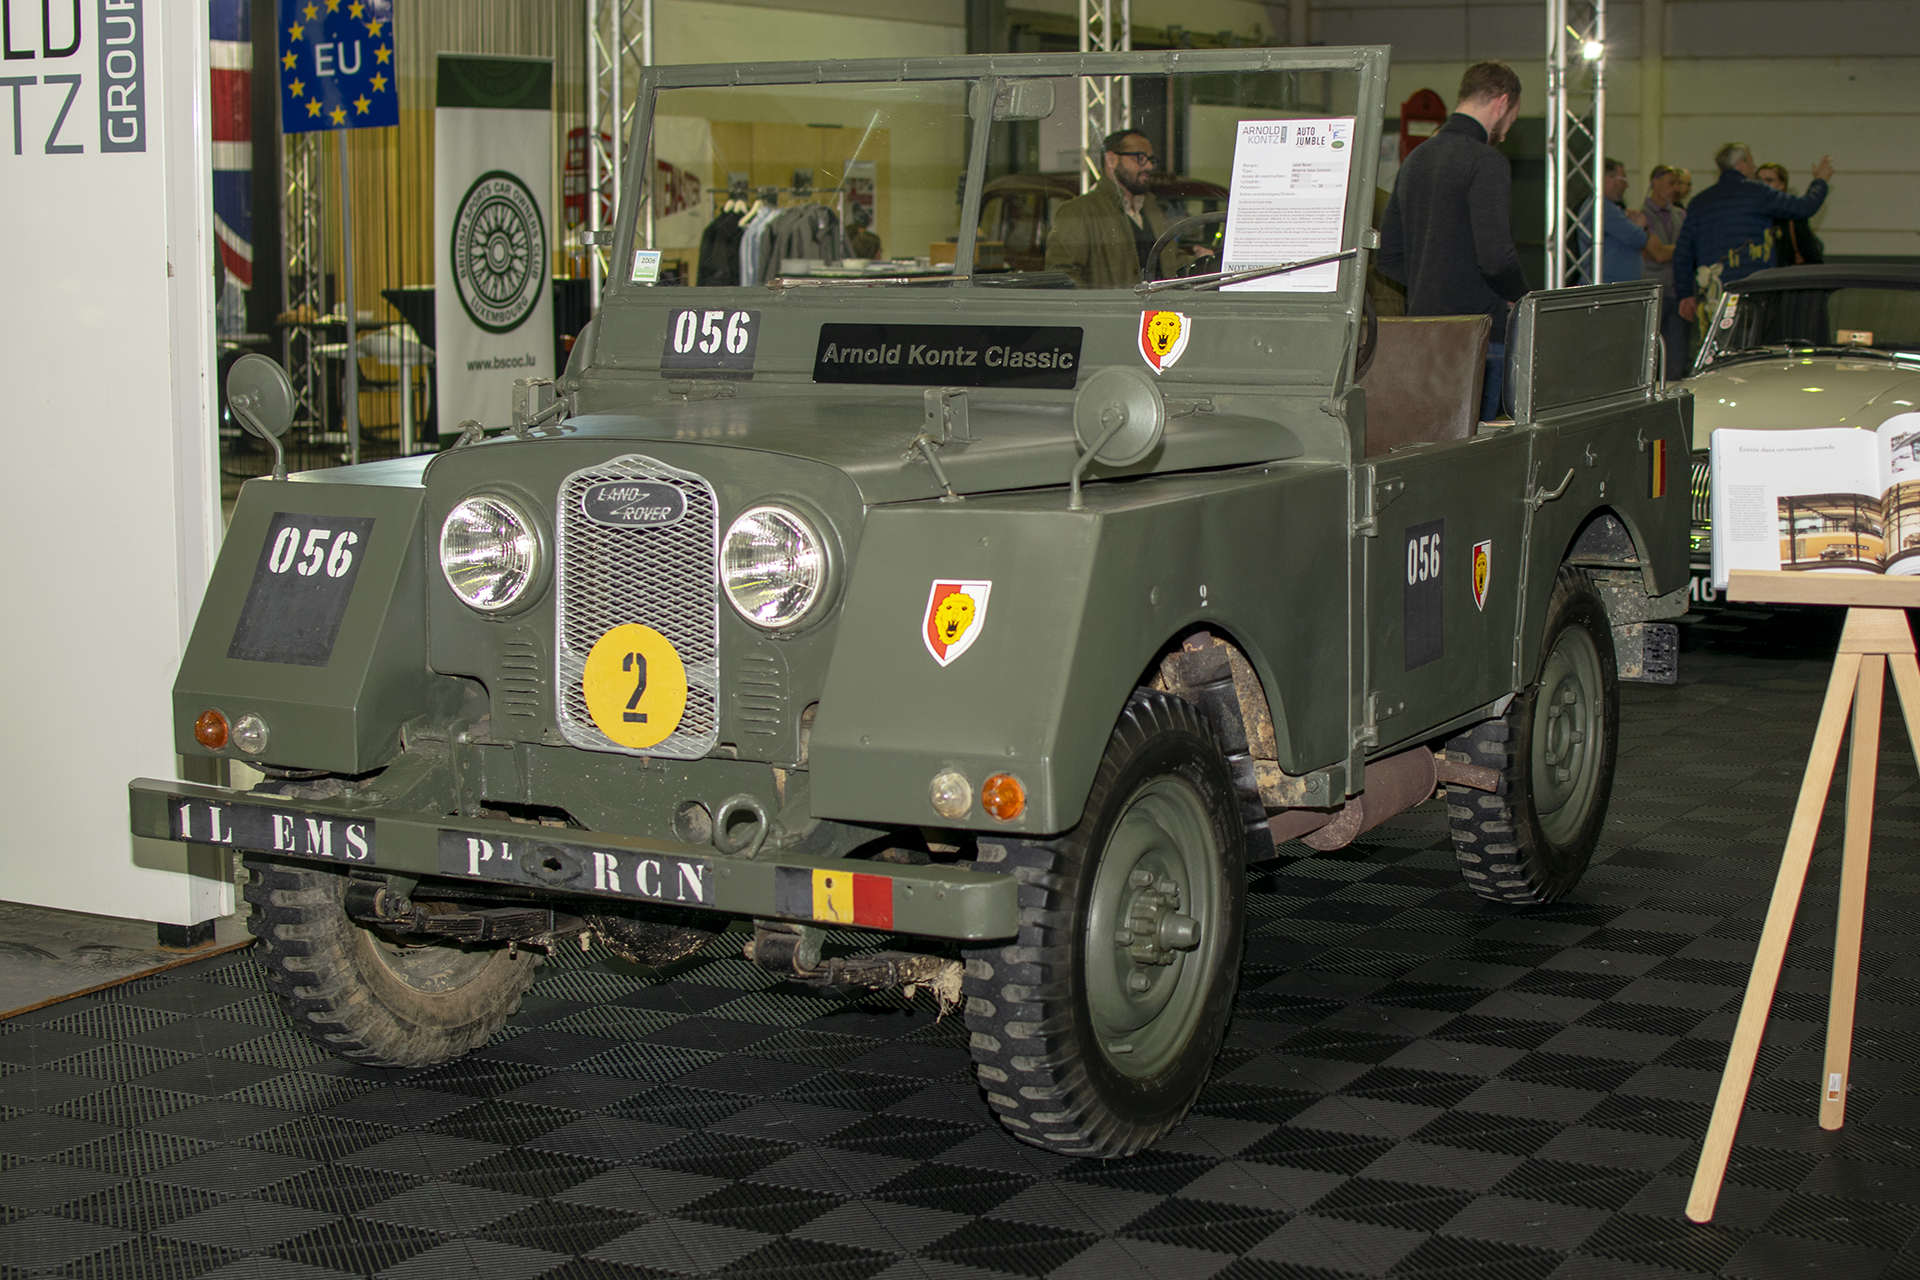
x,y
1289,200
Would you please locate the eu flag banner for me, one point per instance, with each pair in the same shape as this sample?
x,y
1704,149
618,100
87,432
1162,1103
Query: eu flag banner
x,y
336,65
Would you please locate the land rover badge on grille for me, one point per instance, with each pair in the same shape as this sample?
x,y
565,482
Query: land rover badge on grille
x,y
633,504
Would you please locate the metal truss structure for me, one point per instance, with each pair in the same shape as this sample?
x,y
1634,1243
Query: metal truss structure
x,y
304,274
1106,102
619,45
1576,139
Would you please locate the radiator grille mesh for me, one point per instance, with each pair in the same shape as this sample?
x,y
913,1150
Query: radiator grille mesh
x,y
1702,477
665,578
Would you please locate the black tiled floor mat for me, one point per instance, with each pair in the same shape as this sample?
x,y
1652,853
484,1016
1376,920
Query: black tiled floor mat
x,y
1416,1084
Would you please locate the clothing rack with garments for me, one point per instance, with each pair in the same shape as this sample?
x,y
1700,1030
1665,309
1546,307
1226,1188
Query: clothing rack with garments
x,y
746,242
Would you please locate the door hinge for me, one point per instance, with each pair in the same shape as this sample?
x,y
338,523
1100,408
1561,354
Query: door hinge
x,y
1377,710
1373,499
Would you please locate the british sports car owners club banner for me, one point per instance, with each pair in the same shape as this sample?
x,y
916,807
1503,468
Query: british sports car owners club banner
x,y
492,298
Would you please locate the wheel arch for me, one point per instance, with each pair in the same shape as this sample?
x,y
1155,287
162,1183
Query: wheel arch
x,y
1607,543
1271,705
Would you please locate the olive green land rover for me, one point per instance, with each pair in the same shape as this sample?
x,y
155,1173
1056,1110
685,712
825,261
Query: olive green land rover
x,y
1009,612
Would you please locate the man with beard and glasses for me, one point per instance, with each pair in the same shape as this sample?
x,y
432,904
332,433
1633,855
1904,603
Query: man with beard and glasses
x,y
1448,234
1102,238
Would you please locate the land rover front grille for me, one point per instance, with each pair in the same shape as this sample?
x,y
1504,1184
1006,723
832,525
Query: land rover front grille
x,y
664,577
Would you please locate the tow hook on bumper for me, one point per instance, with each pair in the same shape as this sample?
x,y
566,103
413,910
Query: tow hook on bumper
x,y
936,900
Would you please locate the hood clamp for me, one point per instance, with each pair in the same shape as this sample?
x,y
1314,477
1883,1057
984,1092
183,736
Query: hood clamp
x,y
947,414
946,420
924,444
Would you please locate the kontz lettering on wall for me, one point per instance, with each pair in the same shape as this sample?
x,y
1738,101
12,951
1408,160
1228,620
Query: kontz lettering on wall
x,y
65,44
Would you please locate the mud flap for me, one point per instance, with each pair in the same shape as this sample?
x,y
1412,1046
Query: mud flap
x,y
1648,652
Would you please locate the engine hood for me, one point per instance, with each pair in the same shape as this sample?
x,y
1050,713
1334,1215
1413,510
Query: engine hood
x,y
1782,393
1015,445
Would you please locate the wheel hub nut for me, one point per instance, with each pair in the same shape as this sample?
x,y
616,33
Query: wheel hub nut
x,y
1155,929
1179,933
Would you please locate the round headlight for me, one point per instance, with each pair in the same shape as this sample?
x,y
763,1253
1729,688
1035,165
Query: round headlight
x,y
773,567
489,553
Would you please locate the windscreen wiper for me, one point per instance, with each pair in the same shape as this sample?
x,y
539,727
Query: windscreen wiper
x,y
1216,279
843,282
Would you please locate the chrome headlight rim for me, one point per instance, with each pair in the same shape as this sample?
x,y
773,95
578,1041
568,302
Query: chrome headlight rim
x,y
812,527
525,510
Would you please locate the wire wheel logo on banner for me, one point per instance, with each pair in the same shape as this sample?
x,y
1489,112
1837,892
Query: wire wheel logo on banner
x,y
499,250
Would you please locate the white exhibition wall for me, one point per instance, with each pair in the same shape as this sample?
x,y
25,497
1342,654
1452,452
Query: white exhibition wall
x,y
109,457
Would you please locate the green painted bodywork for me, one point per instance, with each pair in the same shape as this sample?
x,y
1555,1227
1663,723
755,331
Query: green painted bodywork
x,y
934,901
1259,517
344,717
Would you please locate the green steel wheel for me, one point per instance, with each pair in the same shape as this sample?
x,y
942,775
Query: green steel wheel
x,y
1531,839
1094,1031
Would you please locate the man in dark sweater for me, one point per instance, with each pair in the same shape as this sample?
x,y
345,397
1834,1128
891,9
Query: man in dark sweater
x,y
1447,233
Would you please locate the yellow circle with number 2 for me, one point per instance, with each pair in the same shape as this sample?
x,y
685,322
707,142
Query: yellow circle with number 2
x,y
635,686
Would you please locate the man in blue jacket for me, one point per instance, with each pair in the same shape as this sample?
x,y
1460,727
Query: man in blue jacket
x,y
1626,231
1447,233
1729,226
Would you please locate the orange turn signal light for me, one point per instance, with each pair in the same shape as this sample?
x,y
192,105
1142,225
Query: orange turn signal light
x,y
210,730
1003,797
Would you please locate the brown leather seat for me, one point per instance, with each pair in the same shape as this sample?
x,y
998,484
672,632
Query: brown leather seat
x,y
1424,384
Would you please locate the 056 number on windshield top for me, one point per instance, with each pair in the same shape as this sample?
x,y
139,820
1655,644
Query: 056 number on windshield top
x,y
718,341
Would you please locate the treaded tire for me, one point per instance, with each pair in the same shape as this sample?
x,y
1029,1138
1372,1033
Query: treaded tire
x,y
363,997
1041,1012
1531,839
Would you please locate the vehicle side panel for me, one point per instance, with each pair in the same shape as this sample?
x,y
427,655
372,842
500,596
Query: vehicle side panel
x,y
1609,455
1434,648
1080,606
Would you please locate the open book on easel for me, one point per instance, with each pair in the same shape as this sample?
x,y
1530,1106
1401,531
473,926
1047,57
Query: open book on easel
x,y
1831,498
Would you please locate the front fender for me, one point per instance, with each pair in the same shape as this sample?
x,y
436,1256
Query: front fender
x,y
1080,605
328,649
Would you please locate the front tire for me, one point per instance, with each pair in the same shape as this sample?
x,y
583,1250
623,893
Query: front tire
x,y
368,997
1094,1031
1531,839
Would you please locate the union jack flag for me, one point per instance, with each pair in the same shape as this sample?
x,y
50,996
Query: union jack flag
x,y
232,119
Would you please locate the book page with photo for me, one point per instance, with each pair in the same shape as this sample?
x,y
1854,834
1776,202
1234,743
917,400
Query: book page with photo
x,y
1827,499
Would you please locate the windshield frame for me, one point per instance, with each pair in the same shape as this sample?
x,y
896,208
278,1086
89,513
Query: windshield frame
x,y
1369,63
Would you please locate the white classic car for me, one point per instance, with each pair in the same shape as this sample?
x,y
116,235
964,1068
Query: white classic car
x,y
1833,345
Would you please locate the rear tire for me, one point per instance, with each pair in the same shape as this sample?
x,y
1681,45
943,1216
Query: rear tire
x,y
1530,840
1087,1043
368,997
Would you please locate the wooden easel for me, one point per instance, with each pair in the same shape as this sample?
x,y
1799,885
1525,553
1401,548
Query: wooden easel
x,y
1875,638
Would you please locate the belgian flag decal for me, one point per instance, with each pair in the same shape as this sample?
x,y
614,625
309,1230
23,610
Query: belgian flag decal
x,y
1657,477
834,897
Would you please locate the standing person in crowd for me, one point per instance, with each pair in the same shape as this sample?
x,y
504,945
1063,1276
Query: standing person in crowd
x,y
1728,234
1624,233
1683,187
1664,218
1447,232
1794,243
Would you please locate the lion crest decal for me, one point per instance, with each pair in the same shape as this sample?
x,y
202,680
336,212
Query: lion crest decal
x,y
1163,337
956,614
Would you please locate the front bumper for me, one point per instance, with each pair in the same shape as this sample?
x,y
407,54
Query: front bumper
x,y
930,901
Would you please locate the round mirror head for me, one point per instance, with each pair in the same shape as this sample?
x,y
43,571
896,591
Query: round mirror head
x,y
260,395
1124,396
